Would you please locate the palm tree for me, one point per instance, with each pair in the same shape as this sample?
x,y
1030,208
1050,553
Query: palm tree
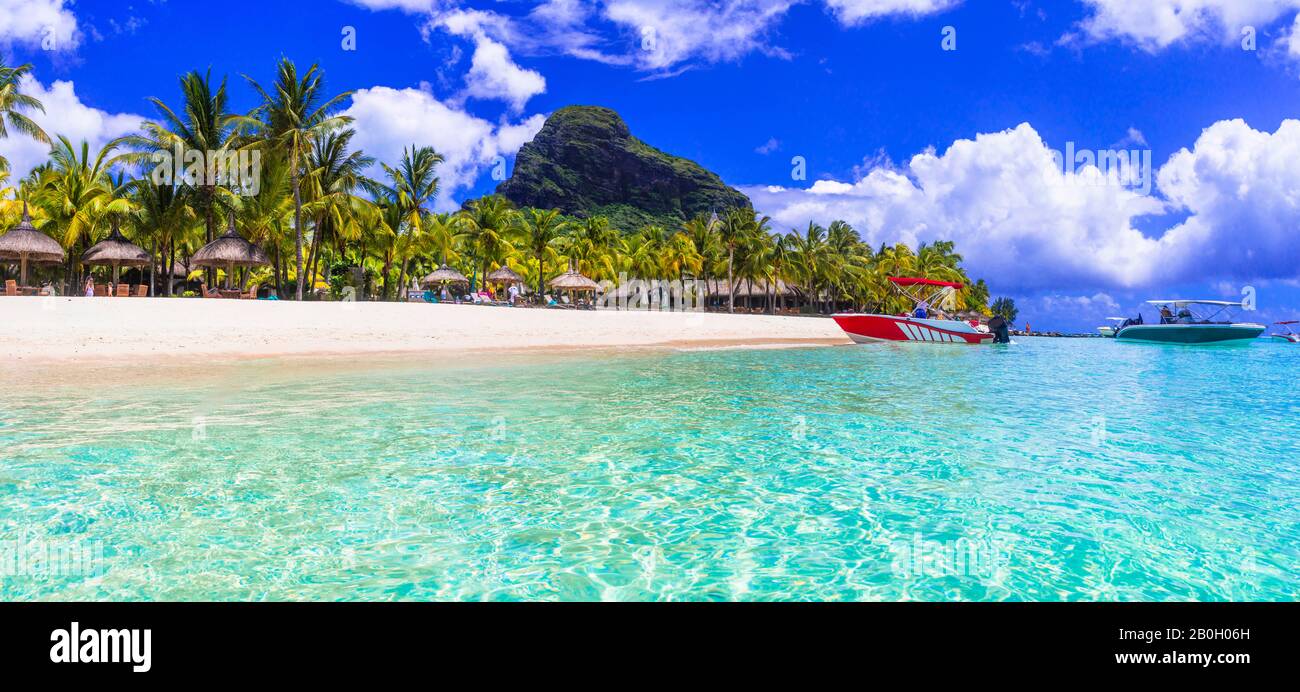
x,y
410,187
336,172
14,106
1006,307
488,223
203,124
161,215
541,231
78,195
731,233
290,120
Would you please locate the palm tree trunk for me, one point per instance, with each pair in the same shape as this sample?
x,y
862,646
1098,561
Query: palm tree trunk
x,y
311,256
210,274
297,228
731,288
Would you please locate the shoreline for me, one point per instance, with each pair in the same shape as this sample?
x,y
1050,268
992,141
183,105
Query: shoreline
x,y
163,330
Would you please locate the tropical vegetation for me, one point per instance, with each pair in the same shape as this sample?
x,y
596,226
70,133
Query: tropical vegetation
x,y
330,217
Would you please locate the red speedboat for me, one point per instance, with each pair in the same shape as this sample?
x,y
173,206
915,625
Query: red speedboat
x,y
918,326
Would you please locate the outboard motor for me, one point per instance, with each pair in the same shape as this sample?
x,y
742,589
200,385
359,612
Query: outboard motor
x,y
1001,330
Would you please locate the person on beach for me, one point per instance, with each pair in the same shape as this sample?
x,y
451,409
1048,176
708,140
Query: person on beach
x,y
90,287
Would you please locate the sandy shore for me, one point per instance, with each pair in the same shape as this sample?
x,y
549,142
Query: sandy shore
x,y
62,329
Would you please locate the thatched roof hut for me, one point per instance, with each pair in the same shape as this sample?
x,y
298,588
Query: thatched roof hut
x,y
444,275
116,251
505,275
24,243
573,281
230,251
744,289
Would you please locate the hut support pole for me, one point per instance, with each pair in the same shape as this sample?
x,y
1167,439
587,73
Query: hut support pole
x,y
22,270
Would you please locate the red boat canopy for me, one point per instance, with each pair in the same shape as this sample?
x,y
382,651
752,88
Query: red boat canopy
x,y
912,281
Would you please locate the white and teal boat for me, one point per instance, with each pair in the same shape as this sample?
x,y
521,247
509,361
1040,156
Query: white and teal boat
x,y
1190,322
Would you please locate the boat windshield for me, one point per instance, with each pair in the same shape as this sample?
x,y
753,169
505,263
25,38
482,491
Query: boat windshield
x,y
1195,311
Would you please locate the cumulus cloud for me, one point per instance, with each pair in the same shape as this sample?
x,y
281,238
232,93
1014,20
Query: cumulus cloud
x,y
1016,215
404,5
1155,24
30,21
493,74
64,114
657,36
1239,186
388,120
859,11
1025,224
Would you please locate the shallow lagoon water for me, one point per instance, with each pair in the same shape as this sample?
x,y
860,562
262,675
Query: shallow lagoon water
x,y
1051,469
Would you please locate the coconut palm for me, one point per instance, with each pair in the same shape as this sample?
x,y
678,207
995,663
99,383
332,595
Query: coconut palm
x,y
540,232
336,171
78,196
488,223
410,186
15,105
203,123
289,120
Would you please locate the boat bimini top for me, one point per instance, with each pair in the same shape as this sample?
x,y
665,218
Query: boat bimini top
x,y
1201,311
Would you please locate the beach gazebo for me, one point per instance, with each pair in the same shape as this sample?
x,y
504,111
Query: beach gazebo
x,y
116,251
573,282
505,275
444,275
24,244
228,252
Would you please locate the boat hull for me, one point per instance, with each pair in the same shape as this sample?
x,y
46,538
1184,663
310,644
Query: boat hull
x,y
1190,333
864,329
1289,338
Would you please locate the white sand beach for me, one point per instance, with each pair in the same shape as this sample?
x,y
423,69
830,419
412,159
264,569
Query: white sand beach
x,y
144,329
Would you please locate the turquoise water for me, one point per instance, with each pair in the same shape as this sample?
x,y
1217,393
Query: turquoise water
x,y
1051,469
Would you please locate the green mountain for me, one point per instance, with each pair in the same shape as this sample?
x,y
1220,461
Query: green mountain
x,y
585,162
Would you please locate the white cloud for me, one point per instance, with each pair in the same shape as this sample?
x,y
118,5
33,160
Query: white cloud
x,y
665,33
1024,225
64,114
1240,186
388,119
29,22
492,75
404,5
859,11
1155,24
658,36
1017,218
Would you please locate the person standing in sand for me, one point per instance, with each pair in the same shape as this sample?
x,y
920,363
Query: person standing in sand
x,y
90,287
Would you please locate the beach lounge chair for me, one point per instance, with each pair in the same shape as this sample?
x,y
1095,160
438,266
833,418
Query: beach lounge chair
x,y
101,290
205,293
141,291
11,288
251,294
123,291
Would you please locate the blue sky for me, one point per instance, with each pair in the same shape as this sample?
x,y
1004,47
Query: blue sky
x,y
904,139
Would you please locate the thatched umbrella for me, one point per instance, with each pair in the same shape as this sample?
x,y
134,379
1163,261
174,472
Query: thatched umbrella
x,y
445,275
572,282
117,251
230,251
505,275
24,243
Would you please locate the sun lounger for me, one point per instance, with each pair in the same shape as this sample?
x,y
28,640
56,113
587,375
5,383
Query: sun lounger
x,y
141,291
101,290
205,293
123,291
11,288
251,294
